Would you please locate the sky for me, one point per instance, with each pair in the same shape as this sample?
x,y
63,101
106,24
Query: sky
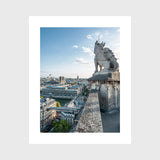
x,y
68,52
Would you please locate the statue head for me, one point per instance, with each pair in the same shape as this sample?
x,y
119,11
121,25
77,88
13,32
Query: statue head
x,y
98,47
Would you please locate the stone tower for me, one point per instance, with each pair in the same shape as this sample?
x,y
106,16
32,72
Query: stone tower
x,y
62,80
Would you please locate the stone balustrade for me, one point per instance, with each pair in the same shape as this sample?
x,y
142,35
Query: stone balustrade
x,y
90,120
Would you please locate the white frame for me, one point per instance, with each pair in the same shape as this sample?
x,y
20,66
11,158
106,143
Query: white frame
x,y
35,137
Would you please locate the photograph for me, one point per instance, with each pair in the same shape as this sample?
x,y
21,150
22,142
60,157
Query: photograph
x,y
79,80
79,73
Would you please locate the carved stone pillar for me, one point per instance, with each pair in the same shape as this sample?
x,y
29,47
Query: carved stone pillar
x,y
115,95
116,89
108,90
103,97
97,86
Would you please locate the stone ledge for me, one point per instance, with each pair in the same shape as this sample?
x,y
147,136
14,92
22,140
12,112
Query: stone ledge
x,y
102,77
115,76
90,120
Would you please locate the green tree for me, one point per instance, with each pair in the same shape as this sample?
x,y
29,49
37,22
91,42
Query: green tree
x,y
85,92
61,126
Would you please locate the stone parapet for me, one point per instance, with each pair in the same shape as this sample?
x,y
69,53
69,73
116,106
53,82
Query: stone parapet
x,y
108,88
90,120
109,96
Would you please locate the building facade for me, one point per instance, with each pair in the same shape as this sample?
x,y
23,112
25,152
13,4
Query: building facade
x,y
46,116
61,91
62,80
67,116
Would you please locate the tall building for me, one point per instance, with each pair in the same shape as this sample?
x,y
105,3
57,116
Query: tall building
x,y
62,80
77,78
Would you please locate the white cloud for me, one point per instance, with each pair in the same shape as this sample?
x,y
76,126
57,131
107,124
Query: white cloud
x,y
101,36
87,50
89,37
118,30
75,46
81,60
98,35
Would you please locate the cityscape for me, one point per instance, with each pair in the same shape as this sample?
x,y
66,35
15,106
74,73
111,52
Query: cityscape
x,y
80,94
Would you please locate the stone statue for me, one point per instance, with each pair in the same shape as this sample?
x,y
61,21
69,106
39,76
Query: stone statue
x,y
106,82
105,59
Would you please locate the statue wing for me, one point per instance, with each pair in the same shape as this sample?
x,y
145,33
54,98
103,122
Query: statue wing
x,y
109,55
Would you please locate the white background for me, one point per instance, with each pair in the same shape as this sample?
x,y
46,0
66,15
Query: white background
x,y
14,69
34,83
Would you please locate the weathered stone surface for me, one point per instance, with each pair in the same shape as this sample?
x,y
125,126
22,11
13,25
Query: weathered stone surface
x,y
111,121
109,96
115,76
108,87
102,77
90,120
106,83
108,91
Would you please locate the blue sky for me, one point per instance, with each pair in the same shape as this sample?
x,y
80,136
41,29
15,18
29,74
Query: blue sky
x,y
68,52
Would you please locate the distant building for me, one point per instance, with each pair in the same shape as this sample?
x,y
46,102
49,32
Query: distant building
x,y
53,81
77,87
46,117
62,80
83,82
67,116
61,91
48,81
77,78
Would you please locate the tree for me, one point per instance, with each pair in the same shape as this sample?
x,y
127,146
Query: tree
x,y
85,92
58,104
61,126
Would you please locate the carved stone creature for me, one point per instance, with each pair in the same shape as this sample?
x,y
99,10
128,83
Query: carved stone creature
x,y
105,59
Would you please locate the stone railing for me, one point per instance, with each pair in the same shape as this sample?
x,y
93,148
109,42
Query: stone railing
x,y
90,120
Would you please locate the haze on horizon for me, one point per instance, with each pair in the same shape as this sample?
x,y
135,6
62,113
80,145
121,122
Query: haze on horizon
x,y
68,52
